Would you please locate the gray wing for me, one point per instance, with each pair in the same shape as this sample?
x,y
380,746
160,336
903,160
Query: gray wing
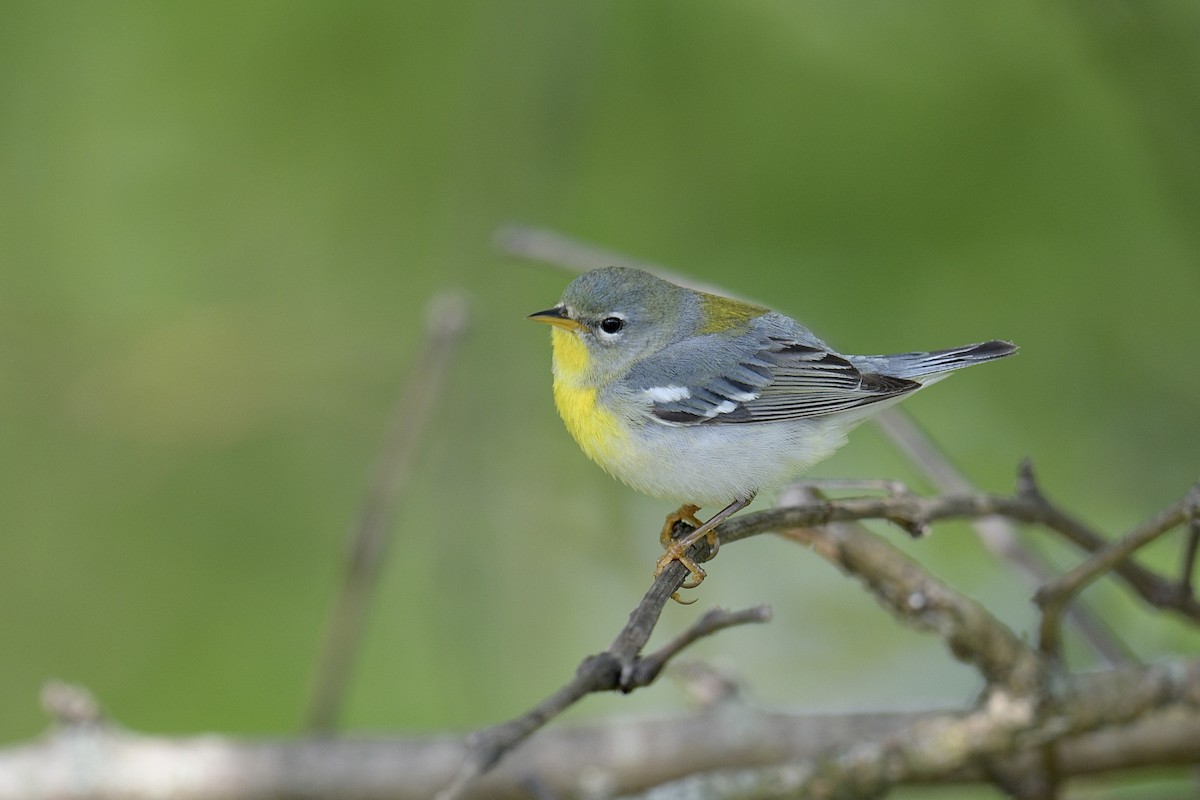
x,y
767,374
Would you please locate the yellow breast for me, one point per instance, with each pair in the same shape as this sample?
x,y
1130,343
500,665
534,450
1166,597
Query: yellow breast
x,y
599,433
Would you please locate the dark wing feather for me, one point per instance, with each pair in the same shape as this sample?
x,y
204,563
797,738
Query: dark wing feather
x,y
714,381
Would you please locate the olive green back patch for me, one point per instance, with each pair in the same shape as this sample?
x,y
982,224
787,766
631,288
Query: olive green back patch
x,y
722,314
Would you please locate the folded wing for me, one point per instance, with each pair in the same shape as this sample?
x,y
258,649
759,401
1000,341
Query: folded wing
x,y
758,377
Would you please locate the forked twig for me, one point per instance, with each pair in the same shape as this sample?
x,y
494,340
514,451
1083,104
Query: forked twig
x,y
619,668
648,667
1054,596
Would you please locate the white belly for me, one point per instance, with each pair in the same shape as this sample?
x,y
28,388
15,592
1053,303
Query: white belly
x,y
713,464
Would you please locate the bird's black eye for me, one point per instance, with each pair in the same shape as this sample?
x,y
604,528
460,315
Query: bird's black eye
x,y
612,325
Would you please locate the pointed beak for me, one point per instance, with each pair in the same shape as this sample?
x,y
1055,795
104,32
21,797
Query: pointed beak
x,y
555,316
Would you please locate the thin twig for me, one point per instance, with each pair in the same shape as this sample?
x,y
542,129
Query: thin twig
x,y
1189,557
565,252
1054,596
1154,589
910,511
558,250
717,619
446,323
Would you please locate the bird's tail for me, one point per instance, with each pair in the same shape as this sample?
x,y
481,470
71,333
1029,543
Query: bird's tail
x,y
924,366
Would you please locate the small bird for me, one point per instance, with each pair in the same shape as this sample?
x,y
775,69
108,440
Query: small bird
x,y
696,397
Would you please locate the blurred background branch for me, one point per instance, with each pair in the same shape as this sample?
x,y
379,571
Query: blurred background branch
x,y
446,323
64,764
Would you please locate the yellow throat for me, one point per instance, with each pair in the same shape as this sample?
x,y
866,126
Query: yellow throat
x,y
598,432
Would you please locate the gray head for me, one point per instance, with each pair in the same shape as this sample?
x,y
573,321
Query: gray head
x,y
618,313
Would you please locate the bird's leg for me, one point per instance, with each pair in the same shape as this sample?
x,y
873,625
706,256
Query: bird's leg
x,y
685,513
677,550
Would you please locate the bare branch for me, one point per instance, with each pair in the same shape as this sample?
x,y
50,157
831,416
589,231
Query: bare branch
x,y
930,749
1154,589
1054,596
565,252
558,250
107,763
716,619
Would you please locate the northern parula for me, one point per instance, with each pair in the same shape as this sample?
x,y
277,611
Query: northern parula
x,y
693,396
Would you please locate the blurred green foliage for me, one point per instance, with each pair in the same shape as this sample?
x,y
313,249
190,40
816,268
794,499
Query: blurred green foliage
x,y
220,224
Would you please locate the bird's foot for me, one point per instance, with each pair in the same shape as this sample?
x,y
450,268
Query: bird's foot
x,y
677,549
685,513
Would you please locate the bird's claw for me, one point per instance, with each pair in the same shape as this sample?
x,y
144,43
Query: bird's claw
x,y
685,513
677,551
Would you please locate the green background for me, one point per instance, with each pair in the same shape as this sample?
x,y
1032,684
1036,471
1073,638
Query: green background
x,y
220,224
